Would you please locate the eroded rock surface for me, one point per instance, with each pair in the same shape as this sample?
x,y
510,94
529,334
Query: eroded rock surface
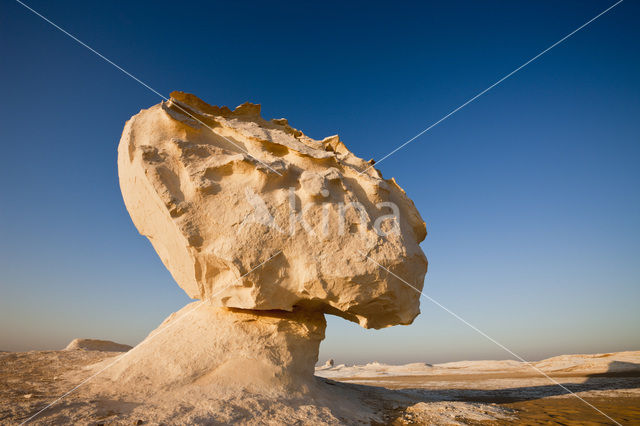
x,y
213,347
218,192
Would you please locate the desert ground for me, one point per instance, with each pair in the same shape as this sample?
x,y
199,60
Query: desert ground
x,y
472,392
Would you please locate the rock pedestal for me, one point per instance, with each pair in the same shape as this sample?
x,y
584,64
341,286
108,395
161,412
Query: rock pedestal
x,y
241,350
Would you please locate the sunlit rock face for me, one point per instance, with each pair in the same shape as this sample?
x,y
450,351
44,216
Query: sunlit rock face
x,y
204,346
219,192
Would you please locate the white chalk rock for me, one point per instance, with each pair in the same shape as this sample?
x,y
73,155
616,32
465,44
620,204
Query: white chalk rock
x,y
219,192
204,346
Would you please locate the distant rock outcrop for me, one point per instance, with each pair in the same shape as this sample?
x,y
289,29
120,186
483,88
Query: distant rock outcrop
x,y
96,345
328,364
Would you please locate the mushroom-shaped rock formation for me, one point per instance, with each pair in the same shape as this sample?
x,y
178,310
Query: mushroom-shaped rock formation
x,y
218,192
271,230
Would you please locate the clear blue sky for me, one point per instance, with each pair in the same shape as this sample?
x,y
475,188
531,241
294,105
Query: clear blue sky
x,y
530,194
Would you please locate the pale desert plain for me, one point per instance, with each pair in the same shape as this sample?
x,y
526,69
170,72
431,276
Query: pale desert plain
x,y
271,230
474,392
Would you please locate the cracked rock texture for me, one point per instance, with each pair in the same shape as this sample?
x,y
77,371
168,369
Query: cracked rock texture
x,y
218,192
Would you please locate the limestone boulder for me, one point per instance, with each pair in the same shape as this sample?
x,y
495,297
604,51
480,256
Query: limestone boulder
x,y
218,192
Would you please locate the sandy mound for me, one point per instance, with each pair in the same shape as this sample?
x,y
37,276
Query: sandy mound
x,y
206,364
97,345
219,351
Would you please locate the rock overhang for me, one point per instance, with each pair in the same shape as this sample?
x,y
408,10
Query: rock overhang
x,y
218,192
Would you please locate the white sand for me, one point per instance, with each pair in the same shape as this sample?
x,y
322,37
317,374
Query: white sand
x,y
578,364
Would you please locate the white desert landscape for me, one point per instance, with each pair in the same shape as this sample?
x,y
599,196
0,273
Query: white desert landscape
x,y
418,213
271,230
469,392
